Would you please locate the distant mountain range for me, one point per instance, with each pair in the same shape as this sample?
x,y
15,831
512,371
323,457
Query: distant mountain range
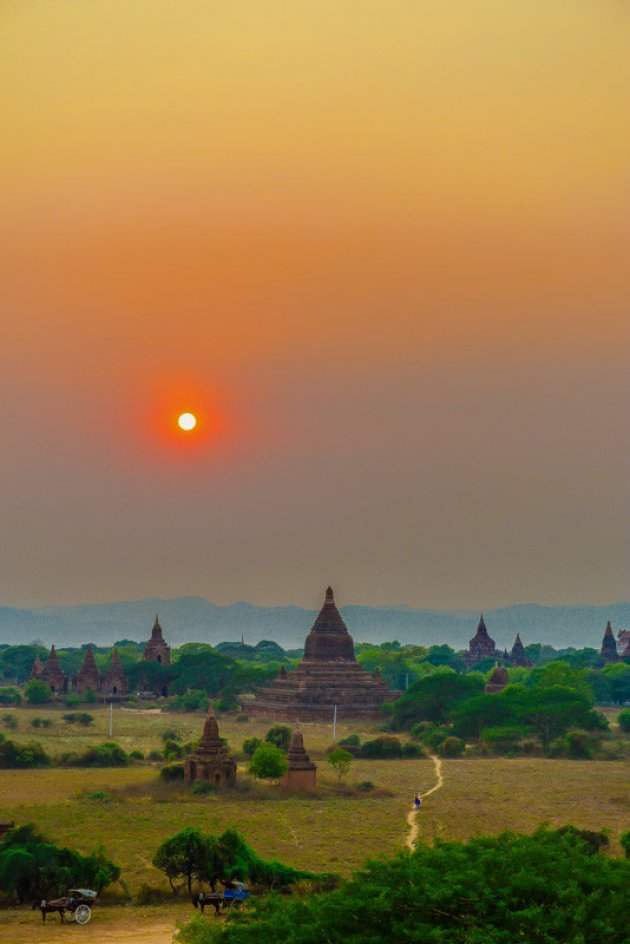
x,y
193,619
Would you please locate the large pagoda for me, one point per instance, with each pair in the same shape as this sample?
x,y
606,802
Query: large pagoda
x,y
327,677
481,646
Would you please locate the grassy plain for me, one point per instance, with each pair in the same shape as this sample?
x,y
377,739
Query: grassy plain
x,y
333,831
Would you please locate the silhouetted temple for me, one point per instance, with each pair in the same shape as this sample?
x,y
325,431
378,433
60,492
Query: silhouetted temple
x,y
481,646
156,650
623,643
608,652
327,676
211,760
517,655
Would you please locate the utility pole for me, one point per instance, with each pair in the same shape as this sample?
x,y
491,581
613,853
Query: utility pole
x,y
111,718
335,723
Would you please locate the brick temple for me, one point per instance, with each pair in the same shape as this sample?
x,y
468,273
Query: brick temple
x,y
114,682
518,655
608,652
481,646
327,676
88,678
51,673
157,650
211,760
302,772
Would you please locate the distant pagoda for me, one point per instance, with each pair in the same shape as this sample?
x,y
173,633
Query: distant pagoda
x,y
211,759
88,677
114,682
517,655
157,650
51,673
608,652
327,677
481,646
497,681
302,772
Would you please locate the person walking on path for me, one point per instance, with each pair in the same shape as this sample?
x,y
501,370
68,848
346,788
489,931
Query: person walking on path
x,y
417,802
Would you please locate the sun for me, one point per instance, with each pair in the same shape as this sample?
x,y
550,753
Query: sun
x,y
187,421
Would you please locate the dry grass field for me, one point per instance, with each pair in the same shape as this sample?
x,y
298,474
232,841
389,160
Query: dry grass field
x,y
334,831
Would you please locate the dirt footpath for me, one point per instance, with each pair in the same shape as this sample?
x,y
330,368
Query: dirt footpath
x,y
109,925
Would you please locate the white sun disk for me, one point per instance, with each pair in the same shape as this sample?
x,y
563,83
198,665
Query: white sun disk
x,y
187,421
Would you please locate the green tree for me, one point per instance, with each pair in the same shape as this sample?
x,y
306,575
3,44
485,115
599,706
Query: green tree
x,y
268,762
547,887
37,692
434,696
190,855
340,761
623,720
625,843
280,735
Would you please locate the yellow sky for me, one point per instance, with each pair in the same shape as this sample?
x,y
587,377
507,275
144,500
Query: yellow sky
x,y
319,214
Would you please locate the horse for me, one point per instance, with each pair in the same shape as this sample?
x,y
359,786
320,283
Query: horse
x,y
201,899
49,907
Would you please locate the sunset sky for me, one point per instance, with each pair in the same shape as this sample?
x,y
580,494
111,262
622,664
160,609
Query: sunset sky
x,y
380,249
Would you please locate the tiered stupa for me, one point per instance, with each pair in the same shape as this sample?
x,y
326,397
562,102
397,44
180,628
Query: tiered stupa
x,y
52,674
211,760
88,676
156,650
327,677
38,668
302,772
481,646
497,681
608,652
114,681
517,655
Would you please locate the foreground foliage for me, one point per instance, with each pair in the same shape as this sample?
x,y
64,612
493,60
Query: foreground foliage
x,y
32,867
547,888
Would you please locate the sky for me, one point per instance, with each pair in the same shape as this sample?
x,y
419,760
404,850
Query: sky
x,y
380,249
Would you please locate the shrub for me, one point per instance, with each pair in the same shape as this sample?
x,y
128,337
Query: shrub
x,y
384,747
503,738
173,750
37,693
91,697
156,755
578,745
451,747
79,717
624,839
72,701
136,755
107,754
242,718
21,756
172,772
250,745
100,795
10,696
280,735
203,788
412,750
191,700
365,786
268,762
421,729
623,720
10,722
170,735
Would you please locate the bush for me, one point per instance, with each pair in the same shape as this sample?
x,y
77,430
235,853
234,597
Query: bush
x,y
72,701
79,717
32,867
21,756
384,747
99,795
172,773
268,762
10,696
280,735
173,750
156,755
136,755
365,786
412,750
623,720
170,735
578,745
624,839
37,693
91,697
451,747
10,722
503,738
250,745
191,700
108,754
203,788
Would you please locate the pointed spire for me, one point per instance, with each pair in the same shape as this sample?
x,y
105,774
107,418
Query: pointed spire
x,y
609,645
115,664
330,596
52,658
88,661
329,639
38,667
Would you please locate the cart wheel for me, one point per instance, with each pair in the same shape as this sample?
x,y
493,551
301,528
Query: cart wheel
x,y
83,914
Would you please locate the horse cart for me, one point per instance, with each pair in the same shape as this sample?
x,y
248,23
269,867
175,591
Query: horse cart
x,y
232,896
77,903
